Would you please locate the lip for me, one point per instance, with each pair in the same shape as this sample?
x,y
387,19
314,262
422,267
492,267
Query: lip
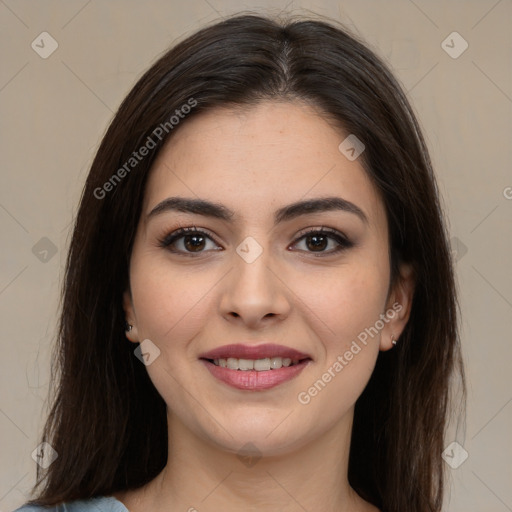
x,y
245,351
252,380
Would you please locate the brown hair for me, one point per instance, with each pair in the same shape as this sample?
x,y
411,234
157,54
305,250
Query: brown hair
x,y
107,421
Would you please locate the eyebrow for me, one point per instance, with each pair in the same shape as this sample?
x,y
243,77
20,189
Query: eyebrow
x,y
286,213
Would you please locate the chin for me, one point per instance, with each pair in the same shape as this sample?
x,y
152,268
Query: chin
x,y
266,437
253,446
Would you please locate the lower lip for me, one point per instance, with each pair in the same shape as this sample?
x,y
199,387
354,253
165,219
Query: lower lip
x,y
253,380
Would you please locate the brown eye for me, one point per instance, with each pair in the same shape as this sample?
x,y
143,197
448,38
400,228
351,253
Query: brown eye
x,y
187,241
194,243
317,241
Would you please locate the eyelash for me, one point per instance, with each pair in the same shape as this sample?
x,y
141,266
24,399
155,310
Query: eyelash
x,y
344,243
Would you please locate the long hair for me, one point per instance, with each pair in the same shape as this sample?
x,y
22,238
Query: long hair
x,y
107,422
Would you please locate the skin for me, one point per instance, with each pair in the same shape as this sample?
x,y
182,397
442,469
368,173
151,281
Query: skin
x,y
254,162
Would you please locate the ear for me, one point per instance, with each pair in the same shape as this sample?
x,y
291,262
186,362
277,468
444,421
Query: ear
x,y
129,312
398,307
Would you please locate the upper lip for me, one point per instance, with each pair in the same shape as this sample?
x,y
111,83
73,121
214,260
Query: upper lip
x,y
243,351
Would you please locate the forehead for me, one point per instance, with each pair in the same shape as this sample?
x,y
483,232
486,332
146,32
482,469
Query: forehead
x,y
270,154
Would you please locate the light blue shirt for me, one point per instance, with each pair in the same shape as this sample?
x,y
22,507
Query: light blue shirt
x,y
98,504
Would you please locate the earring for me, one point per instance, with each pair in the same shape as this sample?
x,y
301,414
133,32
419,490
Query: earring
x,y
128,327
393,340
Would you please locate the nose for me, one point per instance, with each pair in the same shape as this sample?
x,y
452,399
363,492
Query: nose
x,y
254,293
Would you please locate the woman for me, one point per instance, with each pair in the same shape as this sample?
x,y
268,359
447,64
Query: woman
x,y
259,307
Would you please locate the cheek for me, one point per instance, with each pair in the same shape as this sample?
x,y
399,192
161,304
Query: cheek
x,y
171,307
343,302
348,307
169,304
363,296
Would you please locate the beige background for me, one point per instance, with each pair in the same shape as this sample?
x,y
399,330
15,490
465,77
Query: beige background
x,y
54,112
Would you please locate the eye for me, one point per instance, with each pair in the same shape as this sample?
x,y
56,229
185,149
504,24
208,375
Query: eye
x,y
187,241
317,240
191,240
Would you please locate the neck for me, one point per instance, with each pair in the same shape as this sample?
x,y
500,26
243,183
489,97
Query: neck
x,y
200,476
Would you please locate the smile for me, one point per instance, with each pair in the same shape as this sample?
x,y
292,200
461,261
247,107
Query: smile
x,y
259,365
260,377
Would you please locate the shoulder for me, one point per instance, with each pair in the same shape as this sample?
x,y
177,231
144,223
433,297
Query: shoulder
x,y
98,504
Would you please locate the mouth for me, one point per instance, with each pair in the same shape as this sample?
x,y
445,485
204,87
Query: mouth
x,y
255,368
246,351
258,365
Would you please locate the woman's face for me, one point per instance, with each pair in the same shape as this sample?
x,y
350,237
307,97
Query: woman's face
x,y
251,277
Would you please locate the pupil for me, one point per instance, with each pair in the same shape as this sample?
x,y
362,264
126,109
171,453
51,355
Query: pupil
x,y
198,242
317,244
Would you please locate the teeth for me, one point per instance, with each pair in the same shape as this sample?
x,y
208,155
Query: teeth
x,y
268,363
232,363
245,364
276,363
